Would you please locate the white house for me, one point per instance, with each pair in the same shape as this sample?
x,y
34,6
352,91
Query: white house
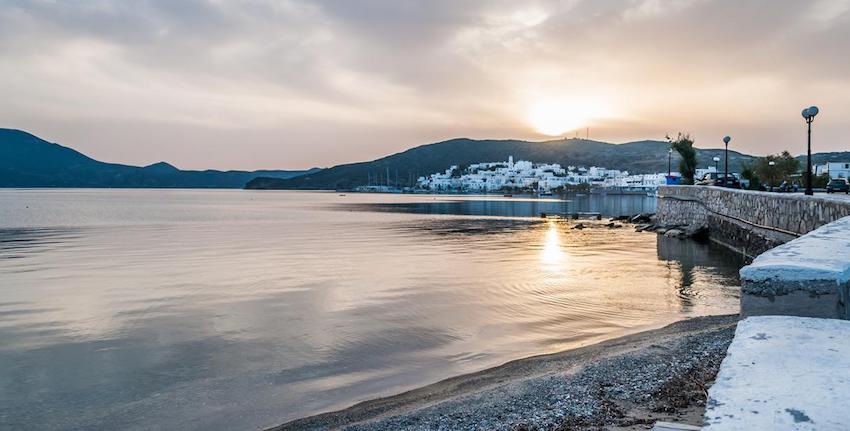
x,y
834,169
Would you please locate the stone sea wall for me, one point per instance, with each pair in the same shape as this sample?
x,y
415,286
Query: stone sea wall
x,y
801,245
748,221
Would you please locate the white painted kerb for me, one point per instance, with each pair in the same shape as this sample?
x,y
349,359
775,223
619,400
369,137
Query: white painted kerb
x,y
783,373
822,254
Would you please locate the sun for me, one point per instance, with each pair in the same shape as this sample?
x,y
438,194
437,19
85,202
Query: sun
x,y
554,118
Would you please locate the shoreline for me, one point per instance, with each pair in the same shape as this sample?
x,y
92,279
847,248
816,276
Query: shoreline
x,y
624,383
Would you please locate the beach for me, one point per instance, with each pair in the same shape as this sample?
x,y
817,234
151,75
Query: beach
x,y
625,383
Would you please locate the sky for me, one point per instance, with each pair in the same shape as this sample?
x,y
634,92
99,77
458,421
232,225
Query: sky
x,y
290,84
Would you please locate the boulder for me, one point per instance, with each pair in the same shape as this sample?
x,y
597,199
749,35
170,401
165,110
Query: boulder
x,y
674,233
642,218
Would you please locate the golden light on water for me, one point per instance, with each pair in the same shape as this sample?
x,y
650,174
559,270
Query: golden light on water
x,y
552,256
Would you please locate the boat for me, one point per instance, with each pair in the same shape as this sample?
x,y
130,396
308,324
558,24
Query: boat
x,y
507,195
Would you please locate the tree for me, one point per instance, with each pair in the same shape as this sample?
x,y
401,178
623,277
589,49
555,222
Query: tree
x,y
749,174
819,181
784,166
684,145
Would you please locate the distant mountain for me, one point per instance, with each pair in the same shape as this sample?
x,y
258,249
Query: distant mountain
x,y
820,158
28,161
405,167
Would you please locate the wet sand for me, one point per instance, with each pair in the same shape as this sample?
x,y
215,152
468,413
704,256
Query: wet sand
x,y
625,383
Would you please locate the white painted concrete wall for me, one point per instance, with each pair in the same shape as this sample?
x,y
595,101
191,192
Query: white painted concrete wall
x,y
823,254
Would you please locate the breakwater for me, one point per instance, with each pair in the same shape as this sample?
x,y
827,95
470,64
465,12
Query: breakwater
x,y
747,221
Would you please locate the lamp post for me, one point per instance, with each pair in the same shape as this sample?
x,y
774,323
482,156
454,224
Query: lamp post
x,y
669,161
726,140
809,115
716,160
772,171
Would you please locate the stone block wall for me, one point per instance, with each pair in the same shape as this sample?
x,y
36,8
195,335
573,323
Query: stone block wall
x,y
747,221
794,213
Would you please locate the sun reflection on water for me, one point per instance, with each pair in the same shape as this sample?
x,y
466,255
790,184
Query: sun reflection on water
x,y
552,255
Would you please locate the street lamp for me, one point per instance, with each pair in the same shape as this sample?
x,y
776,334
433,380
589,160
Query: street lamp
x,y
772,173
726,140
809,115
716,160
669,161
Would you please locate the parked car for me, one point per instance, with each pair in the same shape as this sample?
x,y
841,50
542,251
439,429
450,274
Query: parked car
x,y
838,185
720,180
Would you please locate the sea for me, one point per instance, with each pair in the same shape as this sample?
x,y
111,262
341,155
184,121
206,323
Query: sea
x,y
141,309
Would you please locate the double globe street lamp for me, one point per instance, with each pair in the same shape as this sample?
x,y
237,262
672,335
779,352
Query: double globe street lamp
x,y
809,115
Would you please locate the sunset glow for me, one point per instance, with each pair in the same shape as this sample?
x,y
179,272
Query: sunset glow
x,y
554,118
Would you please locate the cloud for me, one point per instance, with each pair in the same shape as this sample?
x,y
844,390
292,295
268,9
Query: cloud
x,y
329,81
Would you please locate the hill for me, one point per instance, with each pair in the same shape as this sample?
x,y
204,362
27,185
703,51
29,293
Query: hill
x,y
28,161
405,167
820,158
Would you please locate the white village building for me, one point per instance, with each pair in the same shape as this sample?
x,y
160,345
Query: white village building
x,y
834,169
495,176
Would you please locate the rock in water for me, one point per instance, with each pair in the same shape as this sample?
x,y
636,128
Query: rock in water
x,y
642,218
674,233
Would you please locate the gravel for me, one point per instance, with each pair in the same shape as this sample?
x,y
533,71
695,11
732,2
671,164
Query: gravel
x,y
626,383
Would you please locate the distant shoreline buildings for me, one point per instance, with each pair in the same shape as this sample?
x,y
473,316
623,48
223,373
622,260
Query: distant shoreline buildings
x,y
546,178
541,178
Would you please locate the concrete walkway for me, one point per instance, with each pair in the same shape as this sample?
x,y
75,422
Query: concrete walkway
x,y
783,373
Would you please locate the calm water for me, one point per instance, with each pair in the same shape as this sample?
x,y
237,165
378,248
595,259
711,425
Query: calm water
x,y
153,309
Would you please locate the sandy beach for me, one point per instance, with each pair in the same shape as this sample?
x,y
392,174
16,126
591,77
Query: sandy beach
x,y
625,383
